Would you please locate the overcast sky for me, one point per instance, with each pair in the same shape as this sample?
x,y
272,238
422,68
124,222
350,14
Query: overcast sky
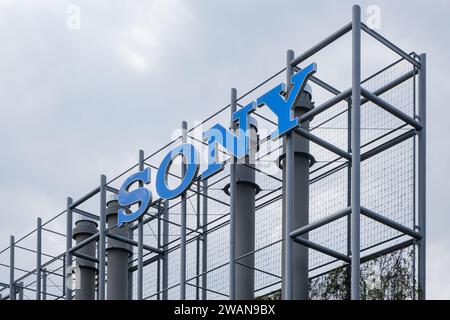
x,y
78,102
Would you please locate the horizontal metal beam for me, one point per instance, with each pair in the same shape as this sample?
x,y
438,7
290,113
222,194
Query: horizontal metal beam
x,y
391,109
112,189
390,223
54,232
133,243
322,44
146,220
388,250
320,83
321,222
322,249
94,237
86,214
84,198
325,106
392,84
323,143
388,144
390,45
85,256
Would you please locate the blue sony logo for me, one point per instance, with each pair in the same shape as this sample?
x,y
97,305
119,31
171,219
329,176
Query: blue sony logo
x,y
235,142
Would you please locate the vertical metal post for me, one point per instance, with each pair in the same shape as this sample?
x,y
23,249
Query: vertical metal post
x,y
12,295
289,195
204,239
232,266
183,223
356,152
197,243
68,259
349,196
38,257
422,179
102,240
130,261
64,274
20,290
44,284
140,249
165,242
160,257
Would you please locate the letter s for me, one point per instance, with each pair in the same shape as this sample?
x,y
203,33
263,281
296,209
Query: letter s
x,y
140,195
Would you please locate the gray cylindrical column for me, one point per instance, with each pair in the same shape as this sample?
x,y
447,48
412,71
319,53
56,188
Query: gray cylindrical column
x,y
118,253
246,190
86,270
302,161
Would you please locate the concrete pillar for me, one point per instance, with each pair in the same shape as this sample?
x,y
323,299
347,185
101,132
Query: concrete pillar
x,y
302,162
118,253
86,270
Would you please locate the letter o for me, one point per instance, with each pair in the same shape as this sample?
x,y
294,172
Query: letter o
x,y
189,153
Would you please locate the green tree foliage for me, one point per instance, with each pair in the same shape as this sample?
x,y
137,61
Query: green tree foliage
x,y
388,277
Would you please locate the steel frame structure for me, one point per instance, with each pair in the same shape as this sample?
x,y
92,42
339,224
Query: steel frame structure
x,y
356,96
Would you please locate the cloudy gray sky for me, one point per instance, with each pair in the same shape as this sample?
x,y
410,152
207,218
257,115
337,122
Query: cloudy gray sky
x,y
76,103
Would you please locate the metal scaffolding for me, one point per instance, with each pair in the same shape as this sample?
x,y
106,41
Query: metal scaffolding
x,y
362,149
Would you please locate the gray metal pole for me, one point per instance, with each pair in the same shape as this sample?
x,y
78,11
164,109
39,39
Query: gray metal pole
x,y
232,189
165,241
86,270
68,259
288,197
246,190
38,257
140,249
20,290
160,257
118,254
349,195
356,152
11,269
183,225
44,284
422,176
204,239
197,244
130,261
102,240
